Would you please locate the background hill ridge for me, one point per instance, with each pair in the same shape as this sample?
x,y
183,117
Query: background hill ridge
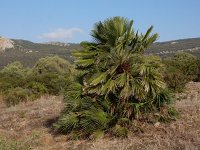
x,y
28,52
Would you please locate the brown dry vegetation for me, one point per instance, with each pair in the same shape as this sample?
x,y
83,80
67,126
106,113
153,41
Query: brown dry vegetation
x,y
31,124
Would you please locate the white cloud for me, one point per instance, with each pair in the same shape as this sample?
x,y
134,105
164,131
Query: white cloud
x,y
61,34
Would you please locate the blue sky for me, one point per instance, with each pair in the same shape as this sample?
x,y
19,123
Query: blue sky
x,y
72,20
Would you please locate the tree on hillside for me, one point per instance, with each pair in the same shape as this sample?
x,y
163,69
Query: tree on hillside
x,y
117,82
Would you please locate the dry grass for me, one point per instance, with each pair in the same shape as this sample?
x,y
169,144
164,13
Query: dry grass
x,y
30,123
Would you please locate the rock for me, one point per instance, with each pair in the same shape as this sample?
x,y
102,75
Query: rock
x,y
157,124
5,43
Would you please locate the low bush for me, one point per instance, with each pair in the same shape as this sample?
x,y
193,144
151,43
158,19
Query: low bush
x,y
13,75
49,75
54,83
175,79
36,89
53,73
16,95
198,74
180,69
54,65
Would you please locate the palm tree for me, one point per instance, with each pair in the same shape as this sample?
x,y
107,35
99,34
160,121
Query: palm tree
x,y
116,63
117,79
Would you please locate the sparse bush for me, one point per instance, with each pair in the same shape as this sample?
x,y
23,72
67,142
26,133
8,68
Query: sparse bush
x,y
16,95
167,114
13,75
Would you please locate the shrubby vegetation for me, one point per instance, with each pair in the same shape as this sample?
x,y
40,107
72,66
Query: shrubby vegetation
x,y
116,83
50,75
53,73
16,95
180,69
12,75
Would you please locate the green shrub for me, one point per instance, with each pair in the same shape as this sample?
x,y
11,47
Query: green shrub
x,y
175,79
49,75
58,84
54,83
185,62
120,131
53,73
36,89
180,69
13,75
14,69
16,95
54,65
198,74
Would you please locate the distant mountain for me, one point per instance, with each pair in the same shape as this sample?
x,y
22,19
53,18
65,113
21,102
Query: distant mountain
x,y
28,52
57,43
169,48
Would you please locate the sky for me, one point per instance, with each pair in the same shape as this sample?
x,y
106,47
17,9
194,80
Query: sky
x,y
72,20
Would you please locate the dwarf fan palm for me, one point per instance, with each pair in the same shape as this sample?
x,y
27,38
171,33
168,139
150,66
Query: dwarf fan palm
x,y
117,81
120,67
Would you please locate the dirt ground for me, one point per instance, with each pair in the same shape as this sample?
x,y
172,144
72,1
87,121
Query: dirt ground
x,y
31,124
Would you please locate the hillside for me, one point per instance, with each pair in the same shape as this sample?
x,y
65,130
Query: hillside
x,y
28,52
30,125
168,48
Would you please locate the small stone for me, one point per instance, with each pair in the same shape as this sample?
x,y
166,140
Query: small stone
x,y
157,124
